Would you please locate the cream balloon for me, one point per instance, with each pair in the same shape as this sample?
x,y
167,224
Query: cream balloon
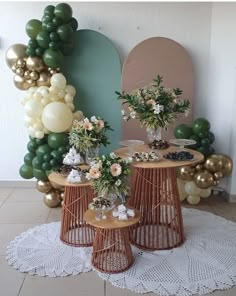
x,y
33,108
57,117
205,192
191,188
193,199
70,90
181,187
58,80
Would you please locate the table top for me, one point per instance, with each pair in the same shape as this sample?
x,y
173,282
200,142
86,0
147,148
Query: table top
x,y
61,180
111,222
162,163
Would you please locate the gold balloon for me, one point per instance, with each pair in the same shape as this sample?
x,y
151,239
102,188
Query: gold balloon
x,y
13,68
20,83
199,167
52,199
62,195
216,182
20,63
35,64
227,164
27,74
218,175
43,186
213,163
20,72
186,173
203,179
44,79
31,82
14,53
34,75
56,186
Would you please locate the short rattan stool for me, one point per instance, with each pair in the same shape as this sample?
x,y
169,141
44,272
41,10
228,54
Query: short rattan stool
x,y
111,248
74,230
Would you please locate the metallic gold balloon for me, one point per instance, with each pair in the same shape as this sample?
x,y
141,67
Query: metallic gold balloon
x,y
27,74
31,82
20,63
34,75
62,195
213,163
20,72
216,182
199,167
52,199
203,179
186,173
20,82
35,64
14,53
13,68
227,164
43,186
44,79
218,175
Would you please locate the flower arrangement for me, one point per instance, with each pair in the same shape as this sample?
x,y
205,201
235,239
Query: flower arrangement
x,y
87,133
109,175
154,105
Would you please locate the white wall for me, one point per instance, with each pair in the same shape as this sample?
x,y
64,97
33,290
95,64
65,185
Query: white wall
x,y
126,24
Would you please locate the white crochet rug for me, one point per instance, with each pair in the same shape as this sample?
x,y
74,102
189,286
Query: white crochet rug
x,y
204,263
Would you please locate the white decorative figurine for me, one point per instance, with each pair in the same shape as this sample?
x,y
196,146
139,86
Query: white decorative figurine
x,y
74,177
72,157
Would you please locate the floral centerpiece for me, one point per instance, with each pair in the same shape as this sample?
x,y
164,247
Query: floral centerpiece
x,y
154,105
87,135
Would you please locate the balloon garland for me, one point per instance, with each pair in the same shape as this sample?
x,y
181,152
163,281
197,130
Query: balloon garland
x,y
48,100
197,181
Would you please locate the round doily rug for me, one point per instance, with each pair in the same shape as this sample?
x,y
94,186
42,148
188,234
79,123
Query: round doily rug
x,y
204,263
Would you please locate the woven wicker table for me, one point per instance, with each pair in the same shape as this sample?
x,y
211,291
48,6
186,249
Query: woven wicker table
x,y
74,230
111,248
154,193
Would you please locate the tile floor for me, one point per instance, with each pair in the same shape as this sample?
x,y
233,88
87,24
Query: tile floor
x,y
23,208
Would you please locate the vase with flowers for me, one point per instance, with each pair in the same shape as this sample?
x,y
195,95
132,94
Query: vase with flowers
x,y
154,106
87,135
109,177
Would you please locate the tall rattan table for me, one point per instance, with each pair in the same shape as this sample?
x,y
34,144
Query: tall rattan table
x,y
111,248
154,193
74,230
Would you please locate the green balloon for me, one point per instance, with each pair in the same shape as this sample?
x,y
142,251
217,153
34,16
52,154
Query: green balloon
x,y
46,166
39,51
53,45
205,142
32,43
43,149
198,141
57,21
74,24
62,149
200,125
28,158
43,39
51,27
63,11
204,150
30,51
211,150
55,140
65,32
47,157
40,175
37,162
32,146
183,131
211,137
53,162
56,155
54,36
41,141
49,10
53,58
203,134
33,27
26,172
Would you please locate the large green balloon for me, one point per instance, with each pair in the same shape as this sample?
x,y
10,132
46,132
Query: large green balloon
x,y
53,58
183,131
63,11
43,39
49,10
55,140
65,32
43,149
200,125
26,171
40,175
28,158
33,27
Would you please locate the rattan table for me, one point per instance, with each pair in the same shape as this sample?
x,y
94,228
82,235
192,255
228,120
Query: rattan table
x,y
154,193
74,230
111,248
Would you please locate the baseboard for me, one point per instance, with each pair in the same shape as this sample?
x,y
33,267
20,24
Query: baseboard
x,y
18,184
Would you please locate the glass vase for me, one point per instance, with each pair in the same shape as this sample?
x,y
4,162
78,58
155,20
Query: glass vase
x,y
91,154
153,134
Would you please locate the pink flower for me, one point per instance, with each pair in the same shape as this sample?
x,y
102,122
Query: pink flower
x,y
115,169
88,126
94,173
99,124
151,102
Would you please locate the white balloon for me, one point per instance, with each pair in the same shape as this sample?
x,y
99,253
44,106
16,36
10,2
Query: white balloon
x,y
53,89
71,106
205,192
70,90
39,134
45,93
61,94
29,120
57,117
68,98
45,101
191,188
33,108
32,89
32,133
38,126
37,95
54,98
78,115
58,80
181,186
193,199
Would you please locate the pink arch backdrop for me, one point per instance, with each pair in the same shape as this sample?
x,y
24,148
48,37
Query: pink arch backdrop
x,y
153,56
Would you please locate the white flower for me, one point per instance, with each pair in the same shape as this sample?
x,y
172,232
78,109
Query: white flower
x,y
125,118
158,108
93,119
133,114
100,124
86,119
112,155
118,182
122,112
94,173
88,125
115,169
